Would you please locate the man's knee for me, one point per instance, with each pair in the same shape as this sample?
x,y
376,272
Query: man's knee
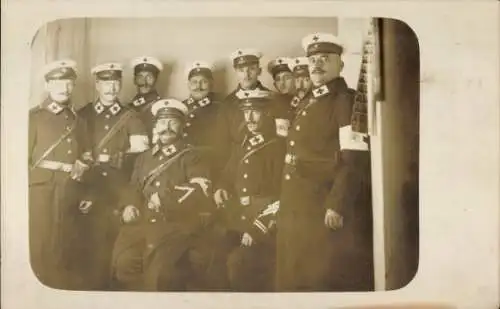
x,y
128,267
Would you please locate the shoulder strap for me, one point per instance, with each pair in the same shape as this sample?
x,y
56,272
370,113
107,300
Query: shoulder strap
x,y
51,148
251,152
114,129
157,171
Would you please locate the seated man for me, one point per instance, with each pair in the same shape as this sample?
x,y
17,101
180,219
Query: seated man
x,y
250,187
170,193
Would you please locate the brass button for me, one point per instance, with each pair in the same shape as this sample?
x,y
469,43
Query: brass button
x,y
287,176
106,127
69,151
246,161
104,174
304,113
68,139
150,246
191,116
184,134
292,143
243,218
153,220
188,124
297,127
105,150
244,189
245,175
157,183
107,116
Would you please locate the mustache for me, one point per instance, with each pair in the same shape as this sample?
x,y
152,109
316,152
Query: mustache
x,y
200,89
318,70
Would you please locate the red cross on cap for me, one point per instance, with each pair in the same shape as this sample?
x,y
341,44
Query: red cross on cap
x,y
240,52
145,59
197,64
280,61
63,63
297,61
111,66
315,38
247,94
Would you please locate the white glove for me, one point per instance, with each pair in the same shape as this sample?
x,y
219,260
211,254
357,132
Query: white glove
x,y
130,213
246,240
220,197
154,202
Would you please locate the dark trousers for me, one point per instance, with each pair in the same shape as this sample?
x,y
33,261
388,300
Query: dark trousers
x,y
251,269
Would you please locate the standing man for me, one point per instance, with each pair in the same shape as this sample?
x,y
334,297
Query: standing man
x,y
117,136
252,183
146,72
303,84
202,106
246,63
320,184
55,146
168,197
208,260
279,69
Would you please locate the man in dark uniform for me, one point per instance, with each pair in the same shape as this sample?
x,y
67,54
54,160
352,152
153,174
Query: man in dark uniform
x,y
252,183
302,79
116,135
283,78
168,196
230,123
200,131
202,106
55,146
318,240
146,71
279,69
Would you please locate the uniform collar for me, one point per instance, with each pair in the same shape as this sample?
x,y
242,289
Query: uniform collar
x,y
255,140
332,87
54,107
168,151
141,99
113,109
193,104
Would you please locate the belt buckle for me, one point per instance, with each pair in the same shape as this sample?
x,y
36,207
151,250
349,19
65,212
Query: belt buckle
x,y
245,200
290,159
104,158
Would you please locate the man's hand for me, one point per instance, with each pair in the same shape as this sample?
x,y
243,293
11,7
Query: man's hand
x,y
246,240
333,220
130,213
154,202
78,169
85,206
220,197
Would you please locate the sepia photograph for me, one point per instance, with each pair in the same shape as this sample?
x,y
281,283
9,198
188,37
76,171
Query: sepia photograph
x,y
271,154
223,154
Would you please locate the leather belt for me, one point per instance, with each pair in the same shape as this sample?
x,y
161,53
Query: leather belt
x,y
56,166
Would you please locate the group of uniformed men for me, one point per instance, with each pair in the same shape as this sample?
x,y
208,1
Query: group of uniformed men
x,y
256,192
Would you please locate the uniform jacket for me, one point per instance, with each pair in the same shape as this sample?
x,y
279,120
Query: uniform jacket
x,y
142,103
47,123
201,121
252,177
99,120
313,145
